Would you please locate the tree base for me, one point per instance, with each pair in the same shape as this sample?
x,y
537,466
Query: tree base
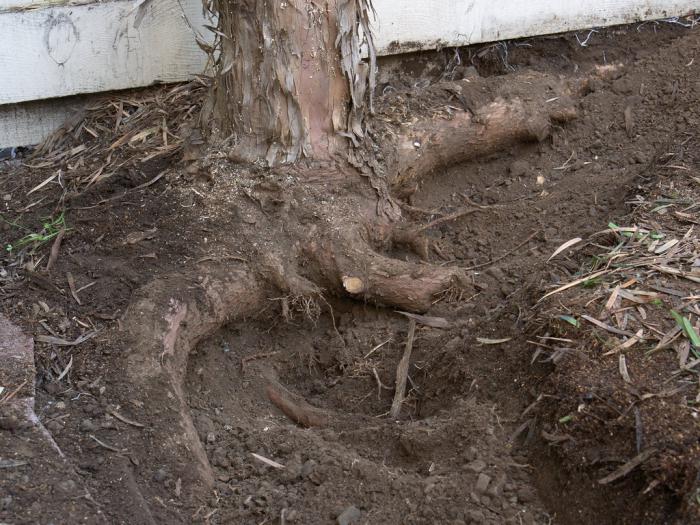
x,y
317,232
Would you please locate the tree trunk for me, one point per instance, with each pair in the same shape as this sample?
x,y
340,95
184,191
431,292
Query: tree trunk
x,y
290,83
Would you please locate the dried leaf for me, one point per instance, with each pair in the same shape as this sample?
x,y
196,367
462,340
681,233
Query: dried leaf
x,y
567,244
487,341
435,322
623,369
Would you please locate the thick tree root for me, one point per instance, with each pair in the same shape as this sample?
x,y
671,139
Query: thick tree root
x,y
340,254
294,407
164,323
347,264
521,110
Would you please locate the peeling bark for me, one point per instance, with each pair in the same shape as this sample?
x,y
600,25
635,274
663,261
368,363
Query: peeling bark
x,y
290,81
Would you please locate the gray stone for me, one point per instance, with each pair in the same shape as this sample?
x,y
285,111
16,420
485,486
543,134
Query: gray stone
x,y
350,516
482,482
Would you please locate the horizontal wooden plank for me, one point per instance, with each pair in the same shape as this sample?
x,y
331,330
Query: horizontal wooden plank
x,y
31,122
77,48
411,26
60,51
73,49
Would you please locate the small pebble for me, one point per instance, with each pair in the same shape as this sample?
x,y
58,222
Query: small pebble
x,y
160,475
87,425
482,482
66,486
350,516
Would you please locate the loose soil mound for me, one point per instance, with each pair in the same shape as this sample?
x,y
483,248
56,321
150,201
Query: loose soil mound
x,y
494,428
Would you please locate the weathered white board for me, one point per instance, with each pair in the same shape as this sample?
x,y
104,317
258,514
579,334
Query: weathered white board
x,y
58,48
31,122
405,25
60,51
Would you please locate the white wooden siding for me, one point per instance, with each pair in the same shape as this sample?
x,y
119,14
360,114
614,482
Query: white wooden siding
x,y
58,48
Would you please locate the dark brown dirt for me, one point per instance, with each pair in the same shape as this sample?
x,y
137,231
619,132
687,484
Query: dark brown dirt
x,y
461,451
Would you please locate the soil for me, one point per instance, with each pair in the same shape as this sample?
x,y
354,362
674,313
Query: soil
x,y
467,446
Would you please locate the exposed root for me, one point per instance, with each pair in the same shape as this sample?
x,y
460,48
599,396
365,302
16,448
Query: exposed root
x,y
522,110
163,325
294,407
350,266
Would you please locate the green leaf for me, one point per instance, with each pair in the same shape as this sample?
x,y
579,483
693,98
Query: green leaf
x,y
687,327
570,319
566,419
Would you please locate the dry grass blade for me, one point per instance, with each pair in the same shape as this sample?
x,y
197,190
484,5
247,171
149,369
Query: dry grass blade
x,y
613,298
567,244
623,369
38,187
606,327
267,461
12,394
105,445
628,467
65,370
487,341
627,344
402,372
71,285
59,341
434,322
126,420
576,283
497,259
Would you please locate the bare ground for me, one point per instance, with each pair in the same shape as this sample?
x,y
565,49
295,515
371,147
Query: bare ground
x,y
469,446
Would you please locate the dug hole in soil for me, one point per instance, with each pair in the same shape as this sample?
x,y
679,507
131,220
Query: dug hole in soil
x,y
466,446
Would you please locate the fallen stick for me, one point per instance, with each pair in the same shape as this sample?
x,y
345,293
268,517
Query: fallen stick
x,y
493,261
402,372
628,467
